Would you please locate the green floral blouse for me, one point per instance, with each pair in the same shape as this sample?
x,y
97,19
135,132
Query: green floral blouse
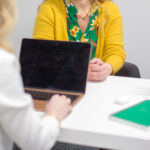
x,y
73,28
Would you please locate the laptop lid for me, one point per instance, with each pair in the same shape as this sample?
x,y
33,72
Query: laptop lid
x,y
56,65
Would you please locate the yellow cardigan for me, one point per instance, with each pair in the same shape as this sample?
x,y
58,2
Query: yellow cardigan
x,y
51,24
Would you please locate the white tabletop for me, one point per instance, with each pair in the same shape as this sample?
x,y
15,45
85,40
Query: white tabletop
x,y
89,123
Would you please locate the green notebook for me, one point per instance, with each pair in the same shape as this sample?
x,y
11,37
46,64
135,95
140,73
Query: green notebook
x,y
137,115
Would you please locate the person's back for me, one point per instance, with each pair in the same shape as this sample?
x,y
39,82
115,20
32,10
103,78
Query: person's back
x,y
19,122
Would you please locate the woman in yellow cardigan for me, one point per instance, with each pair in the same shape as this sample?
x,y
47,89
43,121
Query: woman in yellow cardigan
x,y
95,21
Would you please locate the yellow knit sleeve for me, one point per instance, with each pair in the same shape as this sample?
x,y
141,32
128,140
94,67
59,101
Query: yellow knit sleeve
x,y
44,24
114,53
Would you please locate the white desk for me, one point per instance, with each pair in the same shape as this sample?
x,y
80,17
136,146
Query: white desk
x,y
88,124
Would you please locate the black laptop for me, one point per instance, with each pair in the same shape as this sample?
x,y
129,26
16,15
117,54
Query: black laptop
x,y
54,67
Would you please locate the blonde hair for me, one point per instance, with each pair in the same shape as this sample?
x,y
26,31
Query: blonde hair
x,y
105,14
103,0
7,21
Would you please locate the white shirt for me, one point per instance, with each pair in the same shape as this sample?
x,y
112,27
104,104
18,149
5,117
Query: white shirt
x,y
19,122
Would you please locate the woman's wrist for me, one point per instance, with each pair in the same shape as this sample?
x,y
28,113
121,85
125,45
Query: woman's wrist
x,y
53,116
110,69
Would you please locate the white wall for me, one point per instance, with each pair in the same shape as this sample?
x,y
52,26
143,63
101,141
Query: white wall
x,y
27,10
136,29
136,20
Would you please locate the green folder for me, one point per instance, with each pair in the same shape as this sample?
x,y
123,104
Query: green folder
x,y
137,115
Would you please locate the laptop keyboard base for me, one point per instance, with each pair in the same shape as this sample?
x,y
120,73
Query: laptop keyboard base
x,y
47,95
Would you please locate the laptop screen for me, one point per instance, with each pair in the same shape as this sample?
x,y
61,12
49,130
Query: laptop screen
x,y
54,65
